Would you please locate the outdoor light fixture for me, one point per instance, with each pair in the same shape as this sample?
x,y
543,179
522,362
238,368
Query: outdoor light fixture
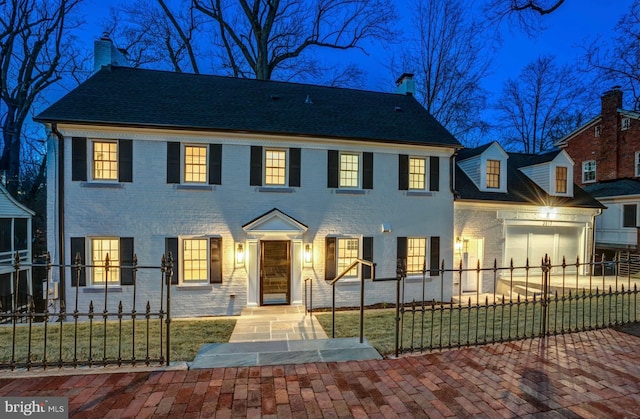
x,y
458,245
308,254
240,255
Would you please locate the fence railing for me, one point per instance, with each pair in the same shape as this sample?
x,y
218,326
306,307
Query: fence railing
x,y
550,300
94,334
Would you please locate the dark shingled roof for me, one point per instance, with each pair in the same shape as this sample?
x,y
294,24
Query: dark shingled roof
x,y
148,98
618,187
520,188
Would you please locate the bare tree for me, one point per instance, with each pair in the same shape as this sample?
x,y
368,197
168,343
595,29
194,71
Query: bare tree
x,y
541,105
449,61
157,33
32,56
620,64
526,14
261,37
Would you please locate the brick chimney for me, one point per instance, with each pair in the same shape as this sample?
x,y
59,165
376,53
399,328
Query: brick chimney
x,y
105,53
406,85
611,101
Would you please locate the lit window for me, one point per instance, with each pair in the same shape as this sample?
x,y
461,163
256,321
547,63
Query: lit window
x,y
589,171
349,170
347,254
275,164
195,164
105,160
626,124
416,252
100,248
194,256
417,173
493,174
561,180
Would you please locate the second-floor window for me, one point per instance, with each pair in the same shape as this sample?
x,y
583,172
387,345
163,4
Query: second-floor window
x,y
105,160
275,167
588,171
561,179
349,170
195,164
626,124
417,173
493,174
636,163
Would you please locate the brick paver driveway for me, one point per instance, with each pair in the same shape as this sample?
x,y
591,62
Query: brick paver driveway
x,y
591,374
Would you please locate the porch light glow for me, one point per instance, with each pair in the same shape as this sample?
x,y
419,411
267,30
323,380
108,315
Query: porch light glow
x,y
458,245
308,254
548,213
240,255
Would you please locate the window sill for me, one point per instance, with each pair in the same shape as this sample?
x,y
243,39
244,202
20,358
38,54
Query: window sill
x,y
194,187
276,189
99,289
419,193
350,191
194,287
105,185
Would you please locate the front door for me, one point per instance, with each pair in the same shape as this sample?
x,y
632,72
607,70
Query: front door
x,y
275,272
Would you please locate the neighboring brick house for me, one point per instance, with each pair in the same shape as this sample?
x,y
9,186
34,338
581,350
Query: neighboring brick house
x,y
606,151
518,207
254,186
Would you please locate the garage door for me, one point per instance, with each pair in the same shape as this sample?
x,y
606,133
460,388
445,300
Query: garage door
x,y
524,242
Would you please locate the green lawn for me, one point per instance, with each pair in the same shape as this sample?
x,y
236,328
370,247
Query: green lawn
x,y
86,341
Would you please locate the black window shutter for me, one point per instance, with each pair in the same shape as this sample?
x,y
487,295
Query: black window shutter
x,y
630,215
78,248
367,254
215,260
255,176
126,259
330,258
215,164
294,167
367,170
401,252
434,173
171,246
125,161
332,169
434,257
403,172
78,158
173,162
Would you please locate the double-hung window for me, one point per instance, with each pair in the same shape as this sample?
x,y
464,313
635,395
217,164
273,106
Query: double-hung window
x,y
196,260
588,171
341,252
275,167
417,173
493,174
636,163
416,254
100,160
347,254
349,170
194,164
561,179
630,215
105,160
106,261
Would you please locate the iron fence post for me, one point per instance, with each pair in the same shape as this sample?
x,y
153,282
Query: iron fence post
x,y
546,264
168,319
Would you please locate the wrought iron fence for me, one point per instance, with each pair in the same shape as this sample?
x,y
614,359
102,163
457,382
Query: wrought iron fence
x,y
62,336
537,300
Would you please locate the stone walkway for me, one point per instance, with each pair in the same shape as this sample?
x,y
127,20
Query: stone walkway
x,y
592,374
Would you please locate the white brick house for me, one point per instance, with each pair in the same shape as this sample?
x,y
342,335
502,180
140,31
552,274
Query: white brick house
x,y
518,207
253,186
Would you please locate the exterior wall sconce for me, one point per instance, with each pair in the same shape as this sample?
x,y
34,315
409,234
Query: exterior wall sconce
x,y
308,254
458,245
239,255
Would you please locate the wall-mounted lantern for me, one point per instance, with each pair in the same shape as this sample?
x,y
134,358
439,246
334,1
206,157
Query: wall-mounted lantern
x,y
308,254
239,255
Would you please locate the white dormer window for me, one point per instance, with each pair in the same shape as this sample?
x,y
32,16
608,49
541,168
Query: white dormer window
x,y
493,174
597,131
625,124
561,179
